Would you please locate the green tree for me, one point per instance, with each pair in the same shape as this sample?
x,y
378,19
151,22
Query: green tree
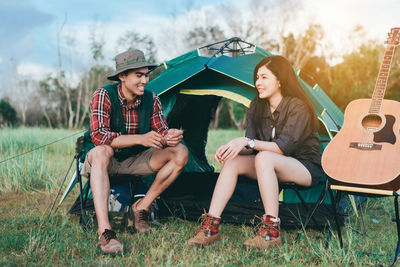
x,y
134,40
355,77
200,36
229,114
301,48
317,70
91,79
8,114
393,87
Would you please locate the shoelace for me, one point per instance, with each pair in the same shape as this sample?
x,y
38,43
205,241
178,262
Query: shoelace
x,y
264,228
205,223
109,234
144,215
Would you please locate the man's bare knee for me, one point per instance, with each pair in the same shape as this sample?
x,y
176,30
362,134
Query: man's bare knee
x,y
100,154
181,155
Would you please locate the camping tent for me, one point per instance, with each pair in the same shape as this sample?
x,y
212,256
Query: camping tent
x,y
190,87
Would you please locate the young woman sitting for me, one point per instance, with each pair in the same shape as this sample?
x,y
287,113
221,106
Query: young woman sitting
x,y
281,145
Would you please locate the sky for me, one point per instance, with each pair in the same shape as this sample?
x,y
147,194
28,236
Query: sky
x,y
29,27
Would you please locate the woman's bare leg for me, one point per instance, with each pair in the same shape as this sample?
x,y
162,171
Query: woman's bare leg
x,y
271,168
223,191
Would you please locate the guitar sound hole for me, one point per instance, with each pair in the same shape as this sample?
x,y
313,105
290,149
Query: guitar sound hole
x,y
371,122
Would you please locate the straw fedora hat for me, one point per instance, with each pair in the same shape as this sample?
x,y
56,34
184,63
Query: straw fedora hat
x,y
131,59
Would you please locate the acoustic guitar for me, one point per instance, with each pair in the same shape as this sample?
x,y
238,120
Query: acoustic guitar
x,y
366,150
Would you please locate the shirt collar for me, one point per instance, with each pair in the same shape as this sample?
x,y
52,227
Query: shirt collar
x,y
124,101
278,108
281,104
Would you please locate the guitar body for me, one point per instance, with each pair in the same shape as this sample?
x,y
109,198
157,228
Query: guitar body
x,y
366,151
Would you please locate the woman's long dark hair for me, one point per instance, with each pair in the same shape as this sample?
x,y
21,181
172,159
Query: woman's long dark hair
x,y
290,86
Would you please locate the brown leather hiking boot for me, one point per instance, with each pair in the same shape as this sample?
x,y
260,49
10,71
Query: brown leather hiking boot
x,y
109,244
141,219
267,235
207,232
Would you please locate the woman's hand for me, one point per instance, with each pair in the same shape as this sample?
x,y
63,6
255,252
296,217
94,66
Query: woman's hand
x,y
230,150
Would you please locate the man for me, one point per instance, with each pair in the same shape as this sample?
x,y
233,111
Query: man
x,y
130,136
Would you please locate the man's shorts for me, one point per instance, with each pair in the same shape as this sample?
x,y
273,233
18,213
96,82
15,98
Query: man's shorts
x,y
135,165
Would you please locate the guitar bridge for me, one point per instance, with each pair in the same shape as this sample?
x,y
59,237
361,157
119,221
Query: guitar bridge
x,y
365,146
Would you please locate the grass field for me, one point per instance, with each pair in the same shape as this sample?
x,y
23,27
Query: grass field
x,y
29,183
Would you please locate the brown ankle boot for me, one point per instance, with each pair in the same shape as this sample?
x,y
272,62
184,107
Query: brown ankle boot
x,y
207,232
109,243
268,234
142,218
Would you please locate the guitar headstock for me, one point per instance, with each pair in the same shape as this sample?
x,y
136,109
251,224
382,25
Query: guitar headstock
x,y
394,36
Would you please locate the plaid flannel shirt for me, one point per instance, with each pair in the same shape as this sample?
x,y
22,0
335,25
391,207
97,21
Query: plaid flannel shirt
x,y
100,117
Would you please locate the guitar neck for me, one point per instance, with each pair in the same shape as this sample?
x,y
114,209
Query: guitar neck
x,y
381,83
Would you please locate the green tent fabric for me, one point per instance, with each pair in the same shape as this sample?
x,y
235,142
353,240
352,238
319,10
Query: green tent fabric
x,y
221,75
231,77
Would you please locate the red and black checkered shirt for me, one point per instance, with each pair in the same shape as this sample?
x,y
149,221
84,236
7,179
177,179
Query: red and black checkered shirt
x,y
100,117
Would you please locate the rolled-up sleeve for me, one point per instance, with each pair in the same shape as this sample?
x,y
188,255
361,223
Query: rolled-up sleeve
x,y
100,118
297,123
158,122
250,131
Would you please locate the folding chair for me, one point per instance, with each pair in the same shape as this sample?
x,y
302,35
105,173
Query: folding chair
x,y
366,192
85,219
297,189
324,139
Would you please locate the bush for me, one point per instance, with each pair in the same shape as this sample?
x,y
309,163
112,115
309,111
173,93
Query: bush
x,y
8,114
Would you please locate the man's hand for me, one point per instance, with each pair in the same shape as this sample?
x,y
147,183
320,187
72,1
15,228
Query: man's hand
x,y
152,139
173,137
230,150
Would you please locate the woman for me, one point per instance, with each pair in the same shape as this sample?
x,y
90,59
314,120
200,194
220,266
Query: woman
x,y
281,145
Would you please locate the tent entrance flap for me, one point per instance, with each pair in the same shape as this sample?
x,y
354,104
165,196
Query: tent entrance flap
x,y
193,114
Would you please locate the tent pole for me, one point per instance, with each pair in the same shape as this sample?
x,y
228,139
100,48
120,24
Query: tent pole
x,y
221,49
59,189
220,42
234,51
84,220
